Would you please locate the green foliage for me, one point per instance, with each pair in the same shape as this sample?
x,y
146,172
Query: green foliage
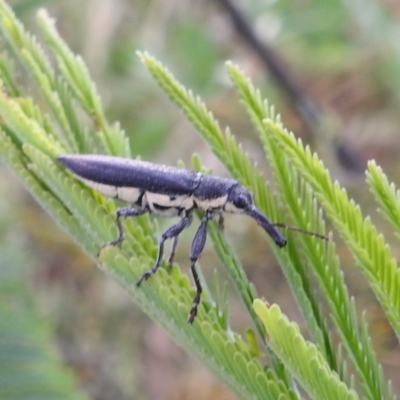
x,y
322,261
369,249
74,121
29,365
303,359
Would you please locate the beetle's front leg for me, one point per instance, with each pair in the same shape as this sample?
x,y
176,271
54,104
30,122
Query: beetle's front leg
x,y
171,232
198,244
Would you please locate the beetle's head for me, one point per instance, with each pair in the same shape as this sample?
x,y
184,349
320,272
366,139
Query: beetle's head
x,y
240,201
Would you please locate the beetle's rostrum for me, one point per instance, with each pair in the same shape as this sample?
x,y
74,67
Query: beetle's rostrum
x,y
168,192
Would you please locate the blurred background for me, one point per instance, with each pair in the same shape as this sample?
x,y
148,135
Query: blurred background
x,y
330,67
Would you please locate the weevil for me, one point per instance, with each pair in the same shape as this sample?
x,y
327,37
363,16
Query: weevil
x,y
169,192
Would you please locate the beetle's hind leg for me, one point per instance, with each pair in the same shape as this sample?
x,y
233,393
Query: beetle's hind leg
x,y
123,213
171,232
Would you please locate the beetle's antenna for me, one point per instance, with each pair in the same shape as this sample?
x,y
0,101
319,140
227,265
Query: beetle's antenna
x,y
292,228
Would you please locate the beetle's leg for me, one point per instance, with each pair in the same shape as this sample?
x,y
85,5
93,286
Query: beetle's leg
x,y
221,221
198,244
175,243
173,250
124,212
171,232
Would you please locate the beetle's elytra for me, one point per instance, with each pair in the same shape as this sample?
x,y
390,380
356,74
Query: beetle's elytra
x,y
168,192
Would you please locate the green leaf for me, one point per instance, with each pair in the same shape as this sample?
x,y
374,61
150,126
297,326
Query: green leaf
x,y
372,255
30,365
386,194
306,363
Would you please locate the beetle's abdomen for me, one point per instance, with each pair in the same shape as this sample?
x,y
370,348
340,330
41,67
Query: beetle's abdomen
x,y
111,173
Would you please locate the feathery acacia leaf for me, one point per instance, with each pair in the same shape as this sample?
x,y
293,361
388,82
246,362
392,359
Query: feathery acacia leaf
x,y
385,194
373,256
321,258
306,363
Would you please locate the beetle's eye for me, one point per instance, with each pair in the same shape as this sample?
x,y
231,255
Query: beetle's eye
x,y
240,202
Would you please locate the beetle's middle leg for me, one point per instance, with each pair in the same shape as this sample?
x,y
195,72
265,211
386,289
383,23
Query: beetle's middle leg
x,y
175,244
171,232
198,244
173,250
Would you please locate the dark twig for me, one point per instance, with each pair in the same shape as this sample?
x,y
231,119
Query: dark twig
x,y
309,111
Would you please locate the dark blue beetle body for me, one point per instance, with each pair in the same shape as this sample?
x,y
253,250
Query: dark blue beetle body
x,y
167,191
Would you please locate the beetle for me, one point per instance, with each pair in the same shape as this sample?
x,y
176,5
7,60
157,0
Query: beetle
x,y
169,192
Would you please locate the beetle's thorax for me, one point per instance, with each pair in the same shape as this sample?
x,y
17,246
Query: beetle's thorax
x,y
212,192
